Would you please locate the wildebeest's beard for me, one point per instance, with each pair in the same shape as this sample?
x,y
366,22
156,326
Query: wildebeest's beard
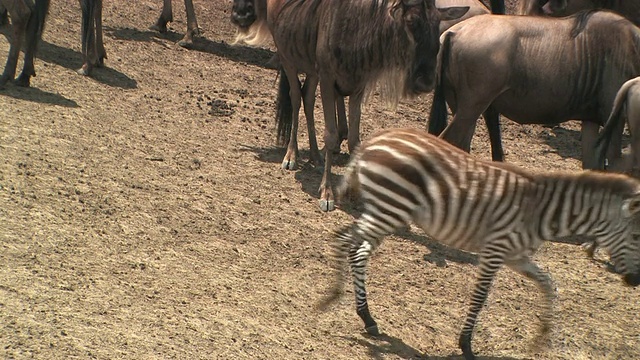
x,y
243,13
423,24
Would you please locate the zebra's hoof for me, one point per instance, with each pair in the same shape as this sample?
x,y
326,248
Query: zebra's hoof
x,y
372,330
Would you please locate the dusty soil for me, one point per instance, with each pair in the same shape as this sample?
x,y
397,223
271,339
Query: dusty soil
x,y
144,214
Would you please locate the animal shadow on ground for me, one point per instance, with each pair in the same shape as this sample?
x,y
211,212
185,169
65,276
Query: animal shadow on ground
x,y
567,142
72,60
309,175
34,94
395,346
238,53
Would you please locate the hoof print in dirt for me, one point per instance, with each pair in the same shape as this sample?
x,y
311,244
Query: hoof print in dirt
x,y
220,108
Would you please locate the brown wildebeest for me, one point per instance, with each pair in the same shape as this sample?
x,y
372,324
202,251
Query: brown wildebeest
x,y
627,8
287,131
534,70
27,19
346,47
167,15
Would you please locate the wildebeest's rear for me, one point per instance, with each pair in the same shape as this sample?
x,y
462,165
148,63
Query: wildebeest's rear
x,y
534,70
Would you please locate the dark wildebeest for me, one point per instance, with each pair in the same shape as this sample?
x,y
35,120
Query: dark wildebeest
x,y
534,70
27,19
346,47
559,8
167,15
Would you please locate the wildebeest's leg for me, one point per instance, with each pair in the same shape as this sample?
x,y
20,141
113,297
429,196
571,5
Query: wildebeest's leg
x,y
633,119
290,161
343,127
328,95
192,24
492,119
461,129
355,112
497,7
489,263
589,137
4,17
165,16
88,36
309,93
100,52
20,16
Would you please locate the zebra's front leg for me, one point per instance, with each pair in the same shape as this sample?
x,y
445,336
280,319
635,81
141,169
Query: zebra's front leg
x,y
490,261
530,270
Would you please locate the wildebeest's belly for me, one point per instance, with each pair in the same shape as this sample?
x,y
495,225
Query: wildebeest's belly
x,y
541,109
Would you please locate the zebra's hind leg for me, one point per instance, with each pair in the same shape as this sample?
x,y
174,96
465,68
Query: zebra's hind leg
x,y
490,261
530,270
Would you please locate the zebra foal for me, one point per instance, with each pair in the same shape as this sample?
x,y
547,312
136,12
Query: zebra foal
x,y
501,212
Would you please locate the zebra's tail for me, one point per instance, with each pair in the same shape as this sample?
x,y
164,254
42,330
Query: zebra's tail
x,y
612,123
341,245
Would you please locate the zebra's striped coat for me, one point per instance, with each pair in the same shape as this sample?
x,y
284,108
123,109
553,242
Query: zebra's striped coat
x,y
502,212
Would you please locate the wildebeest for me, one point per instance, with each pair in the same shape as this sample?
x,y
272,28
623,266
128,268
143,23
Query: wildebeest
x,y
534,70
346,47
625,106
559,8
27,20
167,15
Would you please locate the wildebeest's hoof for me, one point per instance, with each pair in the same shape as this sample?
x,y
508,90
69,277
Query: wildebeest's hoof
x,y
22,81
372,330
186,42
85,70
289,163
161,28
326,205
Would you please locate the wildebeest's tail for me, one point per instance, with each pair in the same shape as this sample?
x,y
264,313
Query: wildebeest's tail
x,y
438,115
40,13
613,122
284,110
497,7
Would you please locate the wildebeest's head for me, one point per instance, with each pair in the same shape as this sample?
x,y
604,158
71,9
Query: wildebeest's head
x,y
422,20
243,13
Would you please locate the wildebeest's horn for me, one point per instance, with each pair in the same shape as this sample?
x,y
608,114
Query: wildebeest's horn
x,y
411,2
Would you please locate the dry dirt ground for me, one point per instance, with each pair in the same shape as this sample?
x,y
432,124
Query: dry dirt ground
x,y
144,215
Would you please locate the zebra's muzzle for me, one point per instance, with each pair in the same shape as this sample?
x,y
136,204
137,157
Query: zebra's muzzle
x,y
632,279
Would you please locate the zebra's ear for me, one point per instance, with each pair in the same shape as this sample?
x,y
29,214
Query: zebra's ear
x,y
631,206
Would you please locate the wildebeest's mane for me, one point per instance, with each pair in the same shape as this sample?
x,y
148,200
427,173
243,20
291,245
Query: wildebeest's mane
x,y
378,19
581,21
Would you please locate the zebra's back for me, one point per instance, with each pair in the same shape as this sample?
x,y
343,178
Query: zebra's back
x,y
407,175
